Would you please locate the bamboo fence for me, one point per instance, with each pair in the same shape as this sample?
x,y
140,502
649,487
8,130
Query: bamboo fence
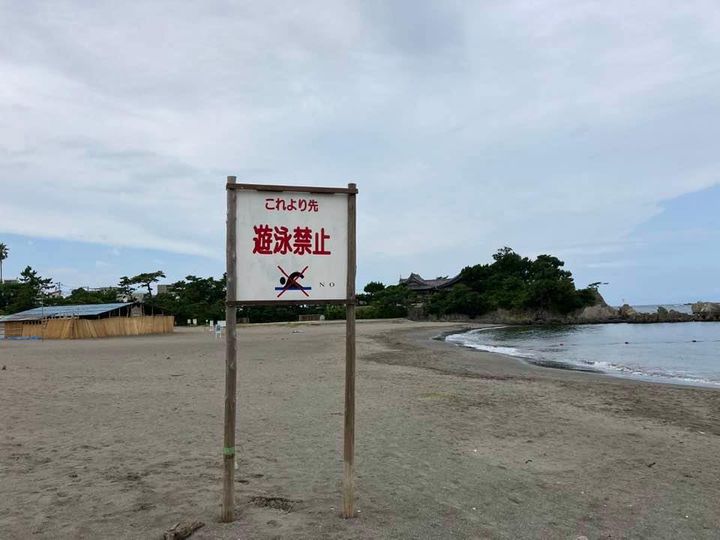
x,y
92,328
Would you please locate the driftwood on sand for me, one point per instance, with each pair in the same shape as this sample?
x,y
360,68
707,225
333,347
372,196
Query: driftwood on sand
x,y
180,531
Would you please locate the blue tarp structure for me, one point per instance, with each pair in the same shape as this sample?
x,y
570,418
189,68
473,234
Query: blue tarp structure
x,y
56,312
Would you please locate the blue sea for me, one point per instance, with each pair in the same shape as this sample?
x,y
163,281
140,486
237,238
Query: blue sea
x,y
681,353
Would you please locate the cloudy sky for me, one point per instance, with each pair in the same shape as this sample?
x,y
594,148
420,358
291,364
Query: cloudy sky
x,y
586,129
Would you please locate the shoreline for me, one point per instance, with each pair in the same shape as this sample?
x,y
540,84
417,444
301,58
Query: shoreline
x,y
569,366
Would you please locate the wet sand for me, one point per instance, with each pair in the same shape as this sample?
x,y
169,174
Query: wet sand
x,y
122,438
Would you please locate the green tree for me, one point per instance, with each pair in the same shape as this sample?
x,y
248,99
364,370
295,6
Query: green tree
x,y
374,287
146,280
460,299
128,285
194,298
391,302
370,290
81,295
549,286
512,282
4,252
8,294
29,292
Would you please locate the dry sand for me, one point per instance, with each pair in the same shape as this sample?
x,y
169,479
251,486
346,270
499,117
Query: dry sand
x,y
122,438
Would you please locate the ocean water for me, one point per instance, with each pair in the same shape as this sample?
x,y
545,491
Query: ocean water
x,y
683,353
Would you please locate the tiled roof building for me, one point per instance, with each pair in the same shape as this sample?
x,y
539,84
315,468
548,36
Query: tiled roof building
x,y
415,282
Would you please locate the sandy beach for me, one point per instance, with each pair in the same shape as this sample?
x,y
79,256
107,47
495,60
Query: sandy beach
x,y
122,438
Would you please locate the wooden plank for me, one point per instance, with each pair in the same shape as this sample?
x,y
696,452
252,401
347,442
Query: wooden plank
x,y
14,329
92,329
228,502
77,325
65,329
294,189
349,446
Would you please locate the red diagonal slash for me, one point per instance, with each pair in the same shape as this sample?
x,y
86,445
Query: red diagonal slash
x,y
292,282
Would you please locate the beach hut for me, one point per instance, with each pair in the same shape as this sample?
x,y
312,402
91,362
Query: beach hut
x,y
86,321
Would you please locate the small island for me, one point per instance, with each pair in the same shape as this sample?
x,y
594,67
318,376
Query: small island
x,y
512,290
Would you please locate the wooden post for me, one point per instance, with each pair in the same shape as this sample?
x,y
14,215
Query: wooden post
x,y
228,503
349,449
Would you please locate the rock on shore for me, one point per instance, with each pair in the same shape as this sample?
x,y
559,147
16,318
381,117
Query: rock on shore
x,y
706,311
599,313
661,315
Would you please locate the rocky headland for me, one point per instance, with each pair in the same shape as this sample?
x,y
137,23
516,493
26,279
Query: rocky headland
x,y
599,313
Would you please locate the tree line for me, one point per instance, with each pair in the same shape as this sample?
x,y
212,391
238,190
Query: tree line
x,y
510,282
513,282
31,290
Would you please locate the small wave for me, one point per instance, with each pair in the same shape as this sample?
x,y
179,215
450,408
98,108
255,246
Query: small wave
x,y
471,340
571,366
488,329
655,375
466,341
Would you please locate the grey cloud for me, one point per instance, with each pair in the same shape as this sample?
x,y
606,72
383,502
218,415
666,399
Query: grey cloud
x,y
467,125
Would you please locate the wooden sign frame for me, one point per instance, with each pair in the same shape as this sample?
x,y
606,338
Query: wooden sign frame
x,y
231,305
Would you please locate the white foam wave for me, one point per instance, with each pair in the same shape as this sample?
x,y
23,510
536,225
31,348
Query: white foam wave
x,y
471,340
466,340
658,375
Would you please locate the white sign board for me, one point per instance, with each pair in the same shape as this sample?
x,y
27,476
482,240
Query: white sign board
x,y
291,246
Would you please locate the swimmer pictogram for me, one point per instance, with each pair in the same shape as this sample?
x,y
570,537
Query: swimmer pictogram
x,y
291,282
